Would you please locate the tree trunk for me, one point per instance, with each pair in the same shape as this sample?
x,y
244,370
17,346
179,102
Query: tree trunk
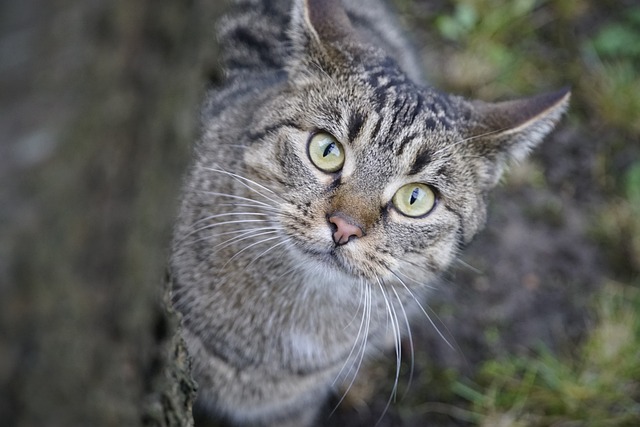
x,y
98,106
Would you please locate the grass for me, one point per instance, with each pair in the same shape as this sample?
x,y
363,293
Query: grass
x,y
612,57
598,386
618,224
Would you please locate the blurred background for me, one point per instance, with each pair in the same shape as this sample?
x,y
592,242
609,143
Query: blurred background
x,y
98,109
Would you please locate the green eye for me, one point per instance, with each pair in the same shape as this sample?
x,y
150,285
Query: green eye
x,y
325,152
414,200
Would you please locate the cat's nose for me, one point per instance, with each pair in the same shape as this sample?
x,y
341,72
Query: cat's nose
x,y
344,228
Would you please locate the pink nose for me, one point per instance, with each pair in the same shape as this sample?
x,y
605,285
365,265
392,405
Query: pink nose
x,y
345,229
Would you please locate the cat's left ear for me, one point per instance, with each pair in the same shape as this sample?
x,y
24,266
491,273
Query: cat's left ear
x,y
504,132
321,33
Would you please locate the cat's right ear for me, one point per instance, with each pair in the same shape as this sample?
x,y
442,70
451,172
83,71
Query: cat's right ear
x,y
505,132
321,34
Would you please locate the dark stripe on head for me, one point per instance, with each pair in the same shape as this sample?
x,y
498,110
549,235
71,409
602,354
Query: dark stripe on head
x,y
382,81
376,129
404,143
381,97
355,125
261,133
416,108
430,123
443,171
399,106
421,161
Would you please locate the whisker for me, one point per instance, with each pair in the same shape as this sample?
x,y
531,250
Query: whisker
x,y
241,232
244,236
410,336
268,250
287,271
244,230
218,224
362,350
469,266
243,180
396,334
248,205
235,175
424,311
233,196
360,294
420,284
222,215
360,328
178,294
247,248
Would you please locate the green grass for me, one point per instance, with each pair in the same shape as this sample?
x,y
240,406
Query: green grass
x,y
618,224
598,386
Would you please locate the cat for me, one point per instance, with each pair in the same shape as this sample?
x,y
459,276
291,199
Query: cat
x,y
329,189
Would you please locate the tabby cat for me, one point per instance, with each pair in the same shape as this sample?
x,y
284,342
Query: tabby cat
x,y
330,187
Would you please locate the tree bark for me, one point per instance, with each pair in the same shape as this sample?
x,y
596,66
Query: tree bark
x,y
98,106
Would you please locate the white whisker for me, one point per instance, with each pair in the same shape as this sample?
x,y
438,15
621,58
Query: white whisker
x,y
210,217
396,335
362,350
245,236
410,336
420,284
249,205
268,250
218,224
355,342
233,196
355,315
243,180
424,311
469,266
247,248
241,232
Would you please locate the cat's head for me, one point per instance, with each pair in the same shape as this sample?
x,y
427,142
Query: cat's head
x,y
381,177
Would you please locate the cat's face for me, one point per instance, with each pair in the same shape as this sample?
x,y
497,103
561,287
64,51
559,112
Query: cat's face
x,y
373,174
381,178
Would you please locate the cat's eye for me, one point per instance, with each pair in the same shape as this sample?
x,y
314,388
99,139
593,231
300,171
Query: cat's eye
x,y
414,199
326,153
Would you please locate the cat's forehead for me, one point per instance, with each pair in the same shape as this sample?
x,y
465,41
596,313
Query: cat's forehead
x,y
381,97
392,91
387,114
399,116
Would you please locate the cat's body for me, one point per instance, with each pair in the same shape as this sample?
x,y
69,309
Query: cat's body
x,y
327,192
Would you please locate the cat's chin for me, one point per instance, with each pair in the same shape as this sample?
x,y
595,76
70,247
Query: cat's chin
x,y
328,263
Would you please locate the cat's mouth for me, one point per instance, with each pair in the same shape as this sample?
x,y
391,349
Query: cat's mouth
x,y
328,255
334,258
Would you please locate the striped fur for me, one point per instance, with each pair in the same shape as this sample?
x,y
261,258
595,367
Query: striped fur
x,y
275,314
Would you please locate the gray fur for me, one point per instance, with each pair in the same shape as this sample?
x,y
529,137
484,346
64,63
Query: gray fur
x,y
275,314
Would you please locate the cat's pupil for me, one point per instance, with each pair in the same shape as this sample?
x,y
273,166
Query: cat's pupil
x,y
331,148
415,194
